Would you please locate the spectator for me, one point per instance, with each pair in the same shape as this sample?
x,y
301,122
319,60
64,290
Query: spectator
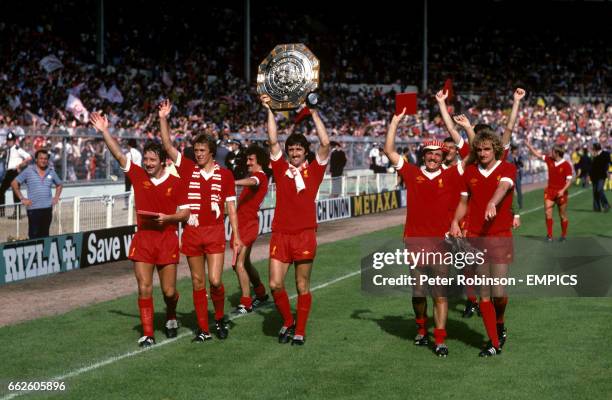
x,y
39,178
136,157
599,173
337,162
15,160
516,159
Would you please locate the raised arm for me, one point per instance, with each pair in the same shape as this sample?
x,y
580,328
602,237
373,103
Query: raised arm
x,y
389,148
533,150
100,122
164,110
507,135
464,122
275,148
323,151
441,97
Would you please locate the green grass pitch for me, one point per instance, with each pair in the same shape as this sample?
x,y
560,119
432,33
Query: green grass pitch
x,y
358,346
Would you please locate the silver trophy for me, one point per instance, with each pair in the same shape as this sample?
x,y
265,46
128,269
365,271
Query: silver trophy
x,y
288,75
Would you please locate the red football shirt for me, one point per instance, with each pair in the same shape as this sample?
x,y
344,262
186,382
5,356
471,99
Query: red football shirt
x,y
558,173
203,185
296,211
251,198
431,197
480,185
161,195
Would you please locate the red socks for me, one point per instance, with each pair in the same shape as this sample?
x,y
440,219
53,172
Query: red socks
x,y
421,325
488,317
146,315
549,227
282,304
200,304
260,291
303,309
564,223
439,335
246,301
217,294
171,306
500,308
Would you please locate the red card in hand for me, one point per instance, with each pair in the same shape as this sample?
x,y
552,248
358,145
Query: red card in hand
x,y
408,100
147,213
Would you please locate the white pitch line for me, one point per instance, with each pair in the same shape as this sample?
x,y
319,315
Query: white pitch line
x,y
542,207
112,360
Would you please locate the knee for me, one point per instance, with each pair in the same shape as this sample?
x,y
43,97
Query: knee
x,y
145,290
198,282
303,287
440,300
215,282
169,292
276,285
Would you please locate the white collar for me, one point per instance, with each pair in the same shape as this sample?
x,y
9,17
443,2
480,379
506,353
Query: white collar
x,y
487,172
561,161
206,175
159,181
430,175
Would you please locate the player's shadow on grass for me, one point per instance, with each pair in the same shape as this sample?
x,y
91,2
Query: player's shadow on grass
x,y
404,327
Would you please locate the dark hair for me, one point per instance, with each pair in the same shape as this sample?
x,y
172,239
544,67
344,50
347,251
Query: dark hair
x,y
299,140
132,143
558,150
449,140
480,127
155,148
41,151
259,153
208,140
596,146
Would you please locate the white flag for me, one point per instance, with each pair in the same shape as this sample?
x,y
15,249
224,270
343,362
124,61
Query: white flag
x,y
114,95
166,79
75,105
102,92
76,90
51,63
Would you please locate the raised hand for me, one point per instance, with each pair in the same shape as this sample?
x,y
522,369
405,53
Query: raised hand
x,y
99,121
462,121
397,118
165,107
519,94
441,96
265,101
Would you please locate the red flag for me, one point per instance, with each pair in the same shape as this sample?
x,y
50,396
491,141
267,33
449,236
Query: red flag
x,y
448,87
304,112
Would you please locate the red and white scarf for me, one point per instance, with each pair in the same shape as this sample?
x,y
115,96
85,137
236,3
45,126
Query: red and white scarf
x,y
295,174
195,193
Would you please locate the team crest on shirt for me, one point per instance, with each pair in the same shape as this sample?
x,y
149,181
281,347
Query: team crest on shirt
x,y
498,178
169,192
146,184
305,173
440,183
473,181
420,179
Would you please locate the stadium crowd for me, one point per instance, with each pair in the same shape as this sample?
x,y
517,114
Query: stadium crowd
x,y
202,79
